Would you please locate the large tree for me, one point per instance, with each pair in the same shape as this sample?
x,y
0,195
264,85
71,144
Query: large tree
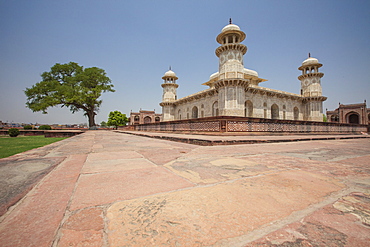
x,y
116,118
72,86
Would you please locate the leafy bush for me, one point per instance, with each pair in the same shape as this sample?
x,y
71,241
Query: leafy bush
x,y
116,118
45,127
324,118
13,132
27,127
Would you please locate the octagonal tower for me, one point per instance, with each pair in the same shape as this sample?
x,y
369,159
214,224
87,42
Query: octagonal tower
x,y
232,78
169,86
311,89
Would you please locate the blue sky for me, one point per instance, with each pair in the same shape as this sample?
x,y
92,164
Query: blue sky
x,y
135,42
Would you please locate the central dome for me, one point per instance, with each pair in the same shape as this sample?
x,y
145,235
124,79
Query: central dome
x,y
250,72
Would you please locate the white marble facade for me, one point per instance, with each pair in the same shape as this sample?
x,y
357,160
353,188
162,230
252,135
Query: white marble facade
x,y
234,90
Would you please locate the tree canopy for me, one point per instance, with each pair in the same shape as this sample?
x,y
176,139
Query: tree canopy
x,y
72,86
116,118
103,124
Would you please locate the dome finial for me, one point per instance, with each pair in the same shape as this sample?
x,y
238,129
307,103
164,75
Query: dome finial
x,y
230,22
309,54
170,67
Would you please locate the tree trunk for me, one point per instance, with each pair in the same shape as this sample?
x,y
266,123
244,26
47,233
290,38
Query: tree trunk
x,y
91,117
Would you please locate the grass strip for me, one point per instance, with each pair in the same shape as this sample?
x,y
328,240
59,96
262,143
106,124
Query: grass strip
x,y
14,145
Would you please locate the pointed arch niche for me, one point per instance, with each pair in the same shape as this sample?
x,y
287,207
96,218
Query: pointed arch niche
x,y
274,111
353,118
215,109
296,113
248,109
194,112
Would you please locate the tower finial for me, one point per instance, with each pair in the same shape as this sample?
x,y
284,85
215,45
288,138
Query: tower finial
x,y
309,54
230,22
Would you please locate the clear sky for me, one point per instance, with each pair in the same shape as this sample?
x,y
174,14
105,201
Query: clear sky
x,y
135,42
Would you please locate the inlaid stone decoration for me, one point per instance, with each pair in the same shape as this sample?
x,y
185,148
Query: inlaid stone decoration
x,y
235,124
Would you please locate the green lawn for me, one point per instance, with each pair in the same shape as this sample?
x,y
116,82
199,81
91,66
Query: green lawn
x,y
14,145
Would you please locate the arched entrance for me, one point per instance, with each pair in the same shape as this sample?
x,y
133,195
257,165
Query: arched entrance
x,y
194,112
147,119
274,111
353,118
248,111
295,113
215,109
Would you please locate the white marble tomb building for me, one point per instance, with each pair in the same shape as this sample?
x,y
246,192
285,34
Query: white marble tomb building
x,y
235,91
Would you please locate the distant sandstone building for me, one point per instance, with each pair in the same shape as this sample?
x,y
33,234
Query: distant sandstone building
x,y
235,91
144,117
351,113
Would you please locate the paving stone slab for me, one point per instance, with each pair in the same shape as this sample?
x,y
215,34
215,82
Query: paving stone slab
x,y
331,155
203,216
103,188
83,228
363,162
88,238
18,176
163,156
335,169
36,220
246,149
109,155
208,170
344,223
115,165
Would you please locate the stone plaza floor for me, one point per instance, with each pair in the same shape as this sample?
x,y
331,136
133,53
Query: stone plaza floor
x,y
105,188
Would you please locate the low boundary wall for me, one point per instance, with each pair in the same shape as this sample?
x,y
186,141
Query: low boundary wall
x,y
225,124
46,133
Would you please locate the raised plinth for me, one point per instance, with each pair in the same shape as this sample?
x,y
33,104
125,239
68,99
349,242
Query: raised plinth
x,y
230,124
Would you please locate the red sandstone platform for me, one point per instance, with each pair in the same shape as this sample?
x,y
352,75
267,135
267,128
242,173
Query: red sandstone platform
x,y
104,188
241,138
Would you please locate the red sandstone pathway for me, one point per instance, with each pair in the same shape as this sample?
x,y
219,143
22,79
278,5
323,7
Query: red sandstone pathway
x,y
114,189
